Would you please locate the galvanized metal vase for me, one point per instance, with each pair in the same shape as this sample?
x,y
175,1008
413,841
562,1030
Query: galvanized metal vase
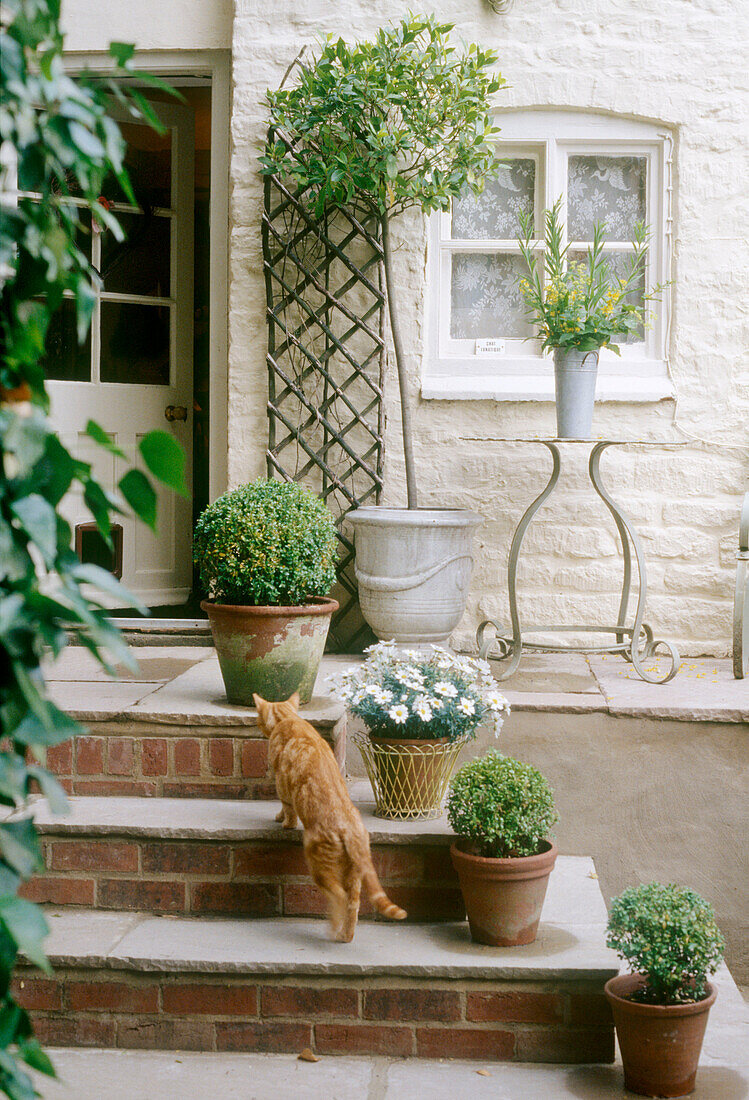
x,y
575,375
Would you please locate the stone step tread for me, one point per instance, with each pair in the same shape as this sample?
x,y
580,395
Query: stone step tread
x,y
216,819
164,1075
570,944
195,697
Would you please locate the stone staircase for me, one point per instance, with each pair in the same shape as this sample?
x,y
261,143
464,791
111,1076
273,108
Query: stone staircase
x,y
183,918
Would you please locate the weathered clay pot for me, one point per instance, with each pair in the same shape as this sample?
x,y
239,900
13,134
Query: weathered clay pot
x,y
411,775
413,568
504,897
660,1044
271,651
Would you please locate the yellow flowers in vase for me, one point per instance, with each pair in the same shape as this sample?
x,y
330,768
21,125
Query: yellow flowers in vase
x,y
583,303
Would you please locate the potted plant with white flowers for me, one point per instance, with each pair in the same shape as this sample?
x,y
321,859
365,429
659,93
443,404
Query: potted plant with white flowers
x,y
419,709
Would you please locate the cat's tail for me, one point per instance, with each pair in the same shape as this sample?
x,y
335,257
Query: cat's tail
x,y
377,895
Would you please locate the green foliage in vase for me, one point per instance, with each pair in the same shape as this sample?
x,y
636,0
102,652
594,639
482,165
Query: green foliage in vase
x,y
668,934
57,145
505,807
382,126
582,304
271,543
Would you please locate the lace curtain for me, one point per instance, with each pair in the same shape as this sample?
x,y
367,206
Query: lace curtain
x,y
484,297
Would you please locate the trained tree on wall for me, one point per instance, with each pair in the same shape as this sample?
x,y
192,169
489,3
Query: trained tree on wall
x,y
57,146
400,122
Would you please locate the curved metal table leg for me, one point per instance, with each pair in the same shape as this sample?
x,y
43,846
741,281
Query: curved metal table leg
x,y
741,598
643,645
514,653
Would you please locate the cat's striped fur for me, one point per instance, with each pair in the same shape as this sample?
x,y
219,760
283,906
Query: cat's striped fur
x,y
312,790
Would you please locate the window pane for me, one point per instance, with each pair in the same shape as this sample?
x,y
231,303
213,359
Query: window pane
x,y
605,189
619,265
140,263
135,343
485,299
66,360
148,161
494,213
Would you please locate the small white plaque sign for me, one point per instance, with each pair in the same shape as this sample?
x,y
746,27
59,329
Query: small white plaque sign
x,y
490,347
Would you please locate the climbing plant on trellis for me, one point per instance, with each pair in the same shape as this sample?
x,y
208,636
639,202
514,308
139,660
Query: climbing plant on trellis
x,y
326,352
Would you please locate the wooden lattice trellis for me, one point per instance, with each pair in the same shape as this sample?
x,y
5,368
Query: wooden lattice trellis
x,y
326,352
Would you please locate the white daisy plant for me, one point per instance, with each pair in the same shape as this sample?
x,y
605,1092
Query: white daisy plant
x,y
421,695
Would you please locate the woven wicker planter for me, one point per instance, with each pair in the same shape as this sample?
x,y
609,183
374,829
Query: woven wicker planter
x,y
409,778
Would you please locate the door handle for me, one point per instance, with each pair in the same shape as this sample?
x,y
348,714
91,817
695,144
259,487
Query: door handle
x,y
175,412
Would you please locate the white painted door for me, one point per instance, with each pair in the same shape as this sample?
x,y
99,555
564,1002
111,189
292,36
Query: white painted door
x,y
134,373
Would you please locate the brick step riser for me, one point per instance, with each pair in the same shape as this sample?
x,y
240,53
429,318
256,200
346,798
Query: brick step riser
x,y
172,761
513,1021
252,878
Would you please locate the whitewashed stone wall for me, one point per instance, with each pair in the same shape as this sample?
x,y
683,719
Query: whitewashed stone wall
x,y
670,61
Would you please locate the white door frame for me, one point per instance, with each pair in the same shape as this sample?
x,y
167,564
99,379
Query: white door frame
x,y
217,65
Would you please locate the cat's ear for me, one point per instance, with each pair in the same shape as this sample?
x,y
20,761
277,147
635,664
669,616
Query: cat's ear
x,y
293,701
260,705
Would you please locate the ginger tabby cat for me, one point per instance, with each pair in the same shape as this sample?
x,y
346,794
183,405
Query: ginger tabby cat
x,y
311,788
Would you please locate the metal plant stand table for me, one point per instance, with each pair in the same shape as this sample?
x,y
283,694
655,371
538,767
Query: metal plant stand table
x,y
634,641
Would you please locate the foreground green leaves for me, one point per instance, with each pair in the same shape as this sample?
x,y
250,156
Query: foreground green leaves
x,y
62,146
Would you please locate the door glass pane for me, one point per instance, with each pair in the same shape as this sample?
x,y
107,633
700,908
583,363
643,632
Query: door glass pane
x,y
494,213
65,360
149,164
605,189
135,343
140,264
619,266
485,298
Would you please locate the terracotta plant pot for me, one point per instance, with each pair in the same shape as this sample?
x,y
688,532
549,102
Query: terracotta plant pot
x,y
660,1044
504,897
273,651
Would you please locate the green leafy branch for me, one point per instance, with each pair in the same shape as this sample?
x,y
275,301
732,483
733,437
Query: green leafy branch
x,y
57,147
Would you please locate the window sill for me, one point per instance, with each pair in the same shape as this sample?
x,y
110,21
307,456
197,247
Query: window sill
x,y
626,388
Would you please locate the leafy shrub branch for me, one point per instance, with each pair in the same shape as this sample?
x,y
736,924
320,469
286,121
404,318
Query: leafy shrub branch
x,y
57,146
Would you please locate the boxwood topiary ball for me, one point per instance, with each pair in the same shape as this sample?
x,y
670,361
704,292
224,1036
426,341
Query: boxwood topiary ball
x,y
267,544
504,806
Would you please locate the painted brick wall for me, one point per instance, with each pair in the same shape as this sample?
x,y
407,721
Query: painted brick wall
x,y
670,61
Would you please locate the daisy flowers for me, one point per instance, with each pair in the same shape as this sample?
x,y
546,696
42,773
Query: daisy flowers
x,y
421,695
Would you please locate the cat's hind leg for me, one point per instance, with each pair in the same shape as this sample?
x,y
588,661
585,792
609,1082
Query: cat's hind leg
x,y
287,816
325,871
352,886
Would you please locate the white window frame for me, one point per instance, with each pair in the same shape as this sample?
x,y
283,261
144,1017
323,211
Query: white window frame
x,y
520,371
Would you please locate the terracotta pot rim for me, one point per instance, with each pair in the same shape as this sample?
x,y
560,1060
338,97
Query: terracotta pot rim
x,y
628,983
320,605
506,864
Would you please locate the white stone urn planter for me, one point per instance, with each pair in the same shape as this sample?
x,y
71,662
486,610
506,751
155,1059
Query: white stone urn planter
x,y
413,567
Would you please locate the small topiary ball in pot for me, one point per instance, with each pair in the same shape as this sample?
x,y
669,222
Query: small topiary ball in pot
x,y
502,806
267,544
670,935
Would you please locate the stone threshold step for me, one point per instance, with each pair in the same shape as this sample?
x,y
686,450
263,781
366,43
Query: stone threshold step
x,y
130,980
203,856
166,1075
